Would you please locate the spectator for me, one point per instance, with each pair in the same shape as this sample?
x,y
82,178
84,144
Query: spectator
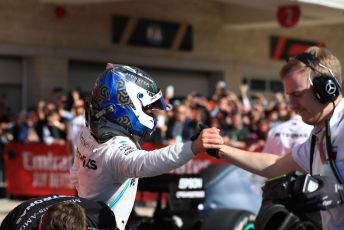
x,y
25,130
220,90
75,125
255,115
284,137
181,127
259,136
54,129
223,107
65,114
202,115
244,87
237,134
198,105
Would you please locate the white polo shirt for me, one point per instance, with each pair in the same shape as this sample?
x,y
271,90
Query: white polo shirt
x,y
283,137
332,219
74,128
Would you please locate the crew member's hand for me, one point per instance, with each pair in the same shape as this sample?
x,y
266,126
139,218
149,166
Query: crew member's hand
x,y
329,194
207,140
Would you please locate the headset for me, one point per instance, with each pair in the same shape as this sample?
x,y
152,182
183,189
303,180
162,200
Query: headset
x,y
325,87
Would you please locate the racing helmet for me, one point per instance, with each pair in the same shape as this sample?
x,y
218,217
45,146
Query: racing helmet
x,y
124,96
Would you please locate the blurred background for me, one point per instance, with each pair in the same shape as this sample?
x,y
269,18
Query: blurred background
x,y
58,45
217,61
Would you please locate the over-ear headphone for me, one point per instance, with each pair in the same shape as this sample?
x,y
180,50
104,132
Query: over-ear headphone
x,y
325,86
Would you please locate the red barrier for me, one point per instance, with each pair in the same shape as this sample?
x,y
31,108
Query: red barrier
x,y
37,169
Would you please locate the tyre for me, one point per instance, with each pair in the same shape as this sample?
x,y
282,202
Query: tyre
x,y
277,216
229,219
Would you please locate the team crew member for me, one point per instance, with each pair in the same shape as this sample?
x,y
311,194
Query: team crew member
x,y
283,137
312,81
109,159
60,212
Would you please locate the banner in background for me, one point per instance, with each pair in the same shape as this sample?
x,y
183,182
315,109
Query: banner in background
x,y
152,33
281,48
37,169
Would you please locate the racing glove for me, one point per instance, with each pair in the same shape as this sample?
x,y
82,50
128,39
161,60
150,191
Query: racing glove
x,y
211,152
314,193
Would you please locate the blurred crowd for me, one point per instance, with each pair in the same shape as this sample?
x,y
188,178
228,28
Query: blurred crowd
x,y
54,121
244,119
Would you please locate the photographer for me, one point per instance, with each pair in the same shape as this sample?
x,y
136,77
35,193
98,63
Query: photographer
x,y
312,81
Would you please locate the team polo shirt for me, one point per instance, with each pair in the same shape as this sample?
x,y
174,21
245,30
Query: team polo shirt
x,y
332,219
283,137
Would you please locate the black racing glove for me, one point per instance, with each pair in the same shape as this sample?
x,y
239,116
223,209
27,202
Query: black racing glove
x,y
211,152
314,193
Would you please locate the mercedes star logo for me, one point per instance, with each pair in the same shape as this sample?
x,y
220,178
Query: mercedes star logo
x,y
330,88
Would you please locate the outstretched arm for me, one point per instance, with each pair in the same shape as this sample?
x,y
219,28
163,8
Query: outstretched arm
x,y
263,164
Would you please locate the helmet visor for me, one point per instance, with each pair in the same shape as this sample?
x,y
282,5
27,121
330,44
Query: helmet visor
x,y
158,104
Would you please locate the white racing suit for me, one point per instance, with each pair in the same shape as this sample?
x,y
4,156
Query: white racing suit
x,y
109,171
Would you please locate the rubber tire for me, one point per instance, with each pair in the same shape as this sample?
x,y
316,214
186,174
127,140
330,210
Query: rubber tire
x,y
271,216
229,219
276,216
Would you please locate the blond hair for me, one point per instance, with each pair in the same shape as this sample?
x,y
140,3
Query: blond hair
x,y
324,56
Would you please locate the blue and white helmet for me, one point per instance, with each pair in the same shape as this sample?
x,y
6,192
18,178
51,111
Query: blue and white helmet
x,y
124,95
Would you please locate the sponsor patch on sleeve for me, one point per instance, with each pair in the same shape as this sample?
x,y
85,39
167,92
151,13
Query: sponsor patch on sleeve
x,y
126,148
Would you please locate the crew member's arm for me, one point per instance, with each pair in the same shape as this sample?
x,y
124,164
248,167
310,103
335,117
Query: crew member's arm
x,y
263,164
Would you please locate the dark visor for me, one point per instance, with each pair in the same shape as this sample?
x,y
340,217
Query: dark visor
x,y
158,105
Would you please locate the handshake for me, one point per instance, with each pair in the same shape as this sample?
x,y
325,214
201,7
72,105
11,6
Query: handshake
x,y
214,152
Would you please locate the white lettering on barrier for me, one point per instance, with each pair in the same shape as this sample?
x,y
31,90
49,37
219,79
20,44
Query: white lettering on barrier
x,y
190,183
45,162
192,167
51,180
39,180
190,194
60,180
